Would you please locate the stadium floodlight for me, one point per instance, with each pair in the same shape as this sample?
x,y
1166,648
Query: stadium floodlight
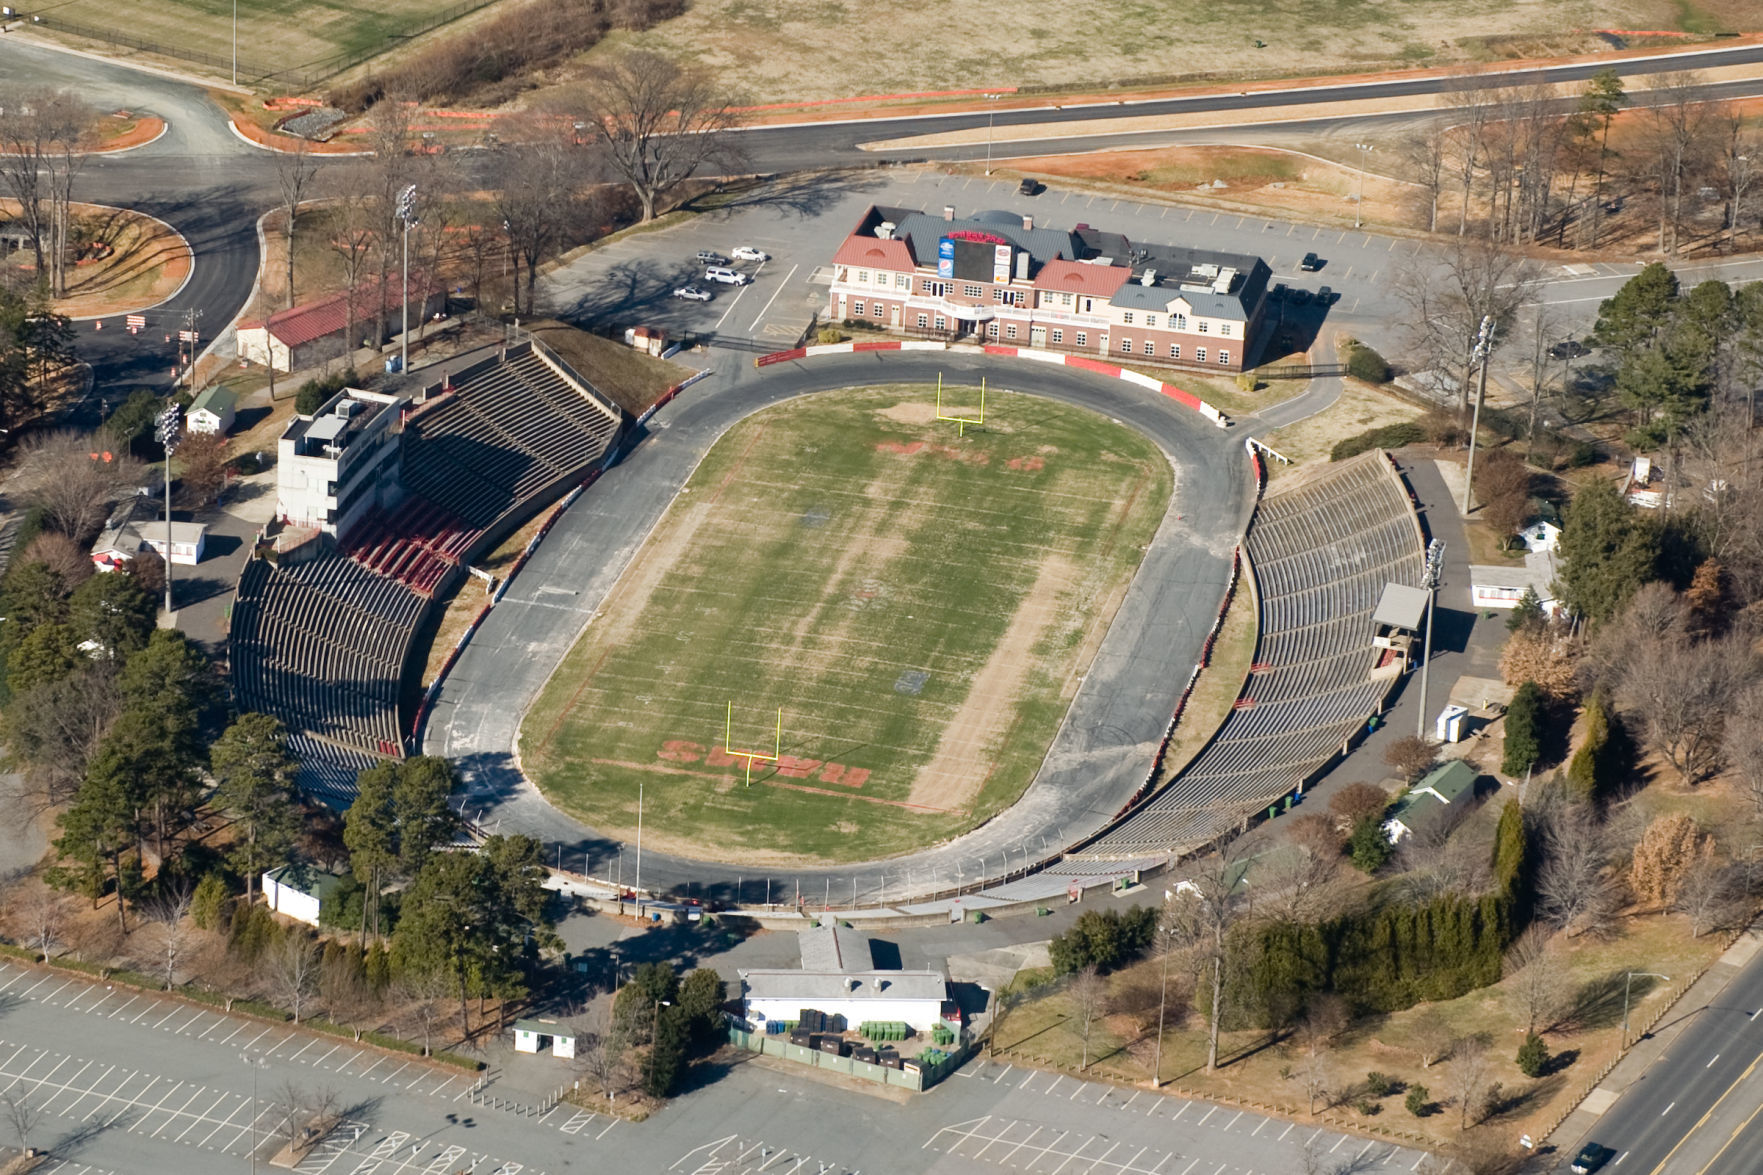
x,y
728,724
962,421
168,428
407,214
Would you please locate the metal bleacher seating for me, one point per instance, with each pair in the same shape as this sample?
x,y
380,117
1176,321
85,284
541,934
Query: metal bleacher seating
x,y
1321,552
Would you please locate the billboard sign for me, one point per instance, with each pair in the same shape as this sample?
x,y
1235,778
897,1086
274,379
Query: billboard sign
x,y
945,257
1001,264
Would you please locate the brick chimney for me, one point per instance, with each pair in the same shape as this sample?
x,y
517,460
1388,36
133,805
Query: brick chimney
x,y
1028,223
948,212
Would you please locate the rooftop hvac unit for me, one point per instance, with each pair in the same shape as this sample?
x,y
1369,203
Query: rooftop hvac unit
x,y
1221,284
885,230
1206,271
348,408
1148,278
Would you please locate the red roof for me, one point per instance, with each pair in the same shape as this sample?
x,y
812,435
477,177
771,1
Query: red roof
x,y
1075,277
328,316
875,253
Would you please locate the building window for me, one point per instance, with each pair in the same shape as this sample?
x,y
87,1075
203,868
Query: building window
x,y
1224,329
1020,298
1083,338
1175,350
1010,331
992,330
1202,326
1200,354
857,309
936,289
1126,346
1150,347
943,324
1224,357
1150,320
1127,318
902,281
923,321
1178,322
973,291
862,277
875,308
1065,299
1058,335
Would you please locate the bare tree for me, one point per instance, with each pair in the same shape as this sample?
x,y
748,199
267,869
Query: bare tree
x,y
1447,301
304,1116
1424,155
355,229
1088,992
1705,894
600,1053
1432,1040
1738,165
1411,756
1324,1020
43,133
541,202
1299,883
22,1114
1541,979
1573,887
169,912
52,732
657,122
1681,693
292,970
1742,745
1468,1078
347,995
43,917
296,173
75,477
1674,123
429,995
1200,920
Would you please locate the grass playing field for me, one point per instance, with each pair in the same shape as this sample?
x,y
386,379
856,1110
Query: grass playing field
x,y
921,606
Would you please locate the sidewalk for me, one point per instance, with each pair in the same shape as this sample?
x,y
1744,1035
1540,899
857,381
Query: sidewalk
x,y
1701,995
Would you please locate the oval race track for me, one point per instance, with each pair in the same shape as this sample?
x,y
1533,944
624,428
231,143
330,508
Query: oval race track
x,y
1100,755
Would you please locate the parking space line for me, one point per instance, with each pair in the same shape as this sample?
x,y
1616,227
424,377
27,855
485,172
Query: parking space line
x,y
327,1053
123,1008
270,1051
198,1119
179,1112
174,1011
608,1130
64,986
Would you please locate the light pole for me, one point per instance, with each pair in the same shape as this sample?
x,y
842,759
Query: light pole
x,y
1484,346
1163,931
655,1036
1429,582
407,214
256,1063
637,889
990,109
167,429
235,42
1359,191
1628,979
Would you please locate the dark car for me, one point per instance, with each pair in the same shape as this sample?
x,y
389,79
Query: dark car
x,y
1298,296
1591,1157
1030,188
1277,293
1311,263
1571,349
1324,296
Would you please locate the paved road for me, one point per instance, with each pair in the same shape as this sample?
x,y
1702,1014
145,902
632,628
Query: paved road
x,y
138,1085
1696,1109
1102,749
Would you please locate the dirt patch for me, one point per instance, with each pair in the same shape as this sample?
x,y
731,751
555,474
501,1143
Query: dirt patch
x,y
963,759
910,412
132,261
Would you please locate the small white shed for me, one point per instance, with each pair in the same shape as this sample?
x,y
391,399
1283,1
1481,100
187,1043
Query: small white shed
x,y
213,411
535,1036
298,891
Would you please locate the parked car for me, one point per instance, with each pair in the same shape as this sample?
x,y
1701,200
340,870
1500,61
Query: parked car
x,y
693,294
1277,293
711,257
728,277
1571,349
1030,187
1311,263
748,253
1298,296
1591,1157
1324,296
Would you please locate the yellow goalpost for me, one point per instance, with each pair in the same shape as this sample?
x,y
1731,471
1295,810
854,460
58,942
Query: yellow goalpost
x,y
962,421
728,723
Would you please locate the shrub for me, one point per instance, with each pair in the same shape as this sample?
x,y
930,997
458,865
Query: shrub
x,y
1379,1084
1524,722
1368,847
1366,364
1533,1056
1582,454
208,903
1419,1101
1104,939
829,335
314,392
1388,436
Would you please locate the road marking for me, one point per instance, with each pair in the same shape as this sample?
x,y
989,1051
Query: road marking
x,y
766,309
1190,1167
1666,1110
1209,1113
1031,1134
1075,1092
1337,1144
608,1130
1289,1128
1710,1063
1257,1129
1133,1098
1703,1121
1233,1121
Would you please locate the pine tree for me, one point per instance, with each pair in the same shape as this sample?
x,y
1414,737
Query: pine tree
x,y
251,762
1606,551
1524,730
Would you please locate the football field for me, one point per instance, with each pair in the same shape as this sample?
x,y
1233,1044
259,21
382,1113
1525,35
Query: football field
x,y
855,631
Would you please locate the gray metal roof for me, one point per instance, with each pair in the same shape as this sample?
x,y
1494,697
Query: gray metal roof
x,y
1400,606
921,231
831,947
827,987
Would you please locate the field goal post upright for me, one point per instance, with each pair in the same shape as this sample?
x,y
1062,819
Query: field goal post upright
x,y
751,757
961,422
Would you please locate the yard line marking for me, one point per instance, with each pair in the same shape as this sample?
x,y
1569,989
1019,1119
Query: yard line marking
x,y
764,310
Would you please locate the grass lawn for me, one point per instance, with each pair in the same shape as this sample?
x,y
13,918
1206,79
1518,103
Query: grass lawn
x,y
921,606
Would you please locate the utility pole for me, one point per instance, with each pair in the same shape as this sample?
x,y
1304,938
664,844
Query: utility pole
x,y
407,214
1628,979
1484,346
235,42
256,1064
990,107
1359,192
166,429
1429,582
638,888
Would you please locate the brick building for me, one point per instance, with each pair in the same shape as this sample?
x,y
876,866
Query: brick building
x,y
997,277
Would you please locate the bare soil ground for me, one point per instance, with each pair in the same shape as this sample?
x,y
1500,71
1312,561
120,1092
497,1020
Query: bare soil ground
x,y
143,261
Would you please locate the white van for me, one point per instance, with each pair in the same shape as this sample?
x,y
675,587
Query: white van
x,y
728,277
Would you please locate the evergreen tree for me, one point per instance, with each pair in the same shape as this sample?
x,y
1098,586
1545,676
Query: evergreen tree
x,y
42,658
1586,770
251,762
1533,1056
113,612
1369,847
370,833
1524,729
1606,552
1528,614
1631,320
